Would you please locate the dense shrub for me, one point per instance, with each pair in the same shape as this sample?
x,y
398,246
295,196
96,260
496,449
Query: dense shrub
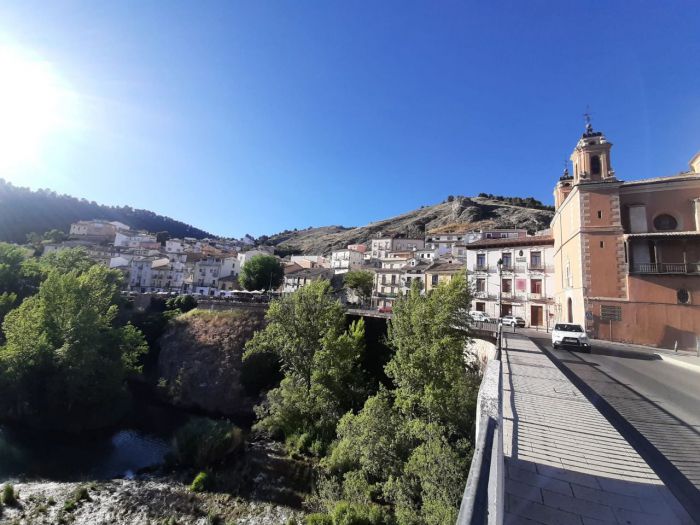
x,y
318,519
200,483
184,303
346,513
203,442
9,496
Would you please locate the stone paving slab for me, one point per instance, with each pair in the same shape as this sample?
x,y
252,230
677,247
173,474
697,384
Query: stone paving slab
x,y
565,463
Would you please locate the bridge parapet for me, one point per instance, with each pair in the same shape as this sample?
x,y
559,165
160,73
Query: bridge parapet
x,y
483,500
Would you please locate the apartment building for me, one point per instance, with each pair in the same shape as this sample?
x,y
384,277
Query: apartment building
x,y
204,274
627,254
381,246
310,261
168,273
140,274
300,278
388,284
442,271
523,282
342,261
96,230
447,240
131,239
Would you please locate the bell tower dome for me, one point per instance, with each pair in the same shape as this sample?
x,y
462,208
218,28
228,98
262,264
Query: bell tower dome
x,y
591,157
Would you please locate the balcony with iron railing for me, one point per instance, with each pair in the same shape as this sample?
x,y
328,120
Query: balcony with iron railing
x,y
665,268
480,267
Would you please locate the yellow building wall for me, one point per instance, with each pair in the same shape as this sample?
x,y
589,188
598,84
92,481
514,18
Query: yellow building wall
x,y
442,278
566,227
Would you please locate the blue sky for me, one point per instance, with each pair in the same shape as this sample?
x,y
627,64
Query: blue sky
x,y
253,117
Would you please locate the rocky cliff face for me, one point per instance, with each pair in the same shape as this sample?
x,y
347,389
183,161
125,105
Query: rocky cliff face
x,y
470,212
200,363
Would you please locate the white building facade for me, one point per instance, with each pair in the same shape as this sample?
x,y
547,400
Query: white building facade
x,y
381,246
524,284
342,261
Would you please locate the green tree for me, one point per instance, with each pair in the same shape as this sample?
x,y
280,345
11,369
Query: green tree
x,y
65,261
55,235
410,446
64,362
184,303
261,272
11,259
161,237
320,361
360,282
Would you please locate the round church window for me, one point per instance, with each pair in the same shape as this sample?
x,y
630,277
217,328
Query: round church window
x,y
683,296
665,222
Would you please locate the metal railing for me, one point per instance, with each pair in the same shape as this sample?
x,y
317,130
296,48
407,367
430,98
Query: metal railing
x,y
681,268
483,500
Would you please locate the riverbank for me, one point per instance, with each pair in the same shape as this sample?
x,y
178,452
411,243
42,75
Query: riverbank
x,y
262,487
146,501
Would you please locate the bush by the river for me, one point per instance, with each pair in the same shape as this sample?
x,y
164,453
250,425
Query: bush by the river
x,y
200,483
9,496
204,442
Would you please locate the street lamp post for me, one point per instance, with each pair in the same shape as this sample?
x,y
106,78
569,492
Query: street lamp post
x,y
499,264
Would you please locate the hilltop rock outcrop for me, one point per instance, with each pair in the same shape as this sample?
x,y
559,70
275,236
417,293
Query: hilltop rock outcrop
x,y
468,212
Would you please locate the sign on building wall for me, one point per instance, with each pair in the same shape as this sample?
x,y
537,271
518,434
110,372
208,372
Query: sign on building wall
x,y
610,312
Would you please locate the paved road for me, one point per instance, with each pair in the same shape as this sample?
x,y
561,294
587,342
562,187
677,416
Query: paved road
x,y
659,405
565,463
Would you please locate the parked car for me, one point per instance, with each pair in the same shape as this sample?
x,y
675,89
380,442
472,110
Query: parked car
x,y
570,335
513,320
480,316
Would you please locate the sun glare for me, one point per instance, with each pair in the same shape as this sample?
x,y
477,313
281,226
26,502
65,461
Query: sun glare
x,y
32,107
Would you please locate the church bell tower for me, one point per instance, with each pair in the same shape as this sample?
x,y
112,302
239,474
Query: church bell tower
x,y
591,157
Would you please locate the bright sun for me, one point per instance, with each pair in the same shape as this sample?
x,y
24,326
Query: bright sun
x,y
32,107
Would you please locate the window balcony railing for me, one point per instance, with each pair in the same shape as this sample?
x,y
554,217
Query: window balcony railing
x,y
481,267
507,295
480,294
535,267
535,295
387,295
665,268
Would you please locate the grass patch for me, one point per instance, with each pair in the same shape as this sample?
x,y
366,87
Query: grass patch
x,y
10,497
80,494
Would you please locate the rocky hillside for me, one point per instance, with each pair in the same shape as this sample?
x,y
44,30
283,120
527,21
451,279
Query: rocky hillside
x,y
200,363
473,212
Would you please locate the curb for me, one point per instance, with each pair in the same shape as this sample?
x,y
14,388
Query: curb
x,y
678,362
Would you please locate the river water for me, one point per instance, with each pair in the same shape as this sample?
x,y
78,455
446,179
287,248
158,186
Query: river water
x,y
141,441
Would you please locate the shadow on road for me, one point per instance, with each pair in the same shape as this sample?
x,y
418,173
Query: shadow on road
x,y
624,354
669,445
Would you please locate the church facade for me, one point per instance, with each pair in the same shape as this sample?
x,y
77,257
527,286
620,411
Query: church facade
x,y
627,253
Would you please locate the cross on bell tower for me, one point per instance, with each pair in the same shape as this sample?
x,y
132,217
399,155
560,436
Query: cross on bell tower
x,y
587,117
